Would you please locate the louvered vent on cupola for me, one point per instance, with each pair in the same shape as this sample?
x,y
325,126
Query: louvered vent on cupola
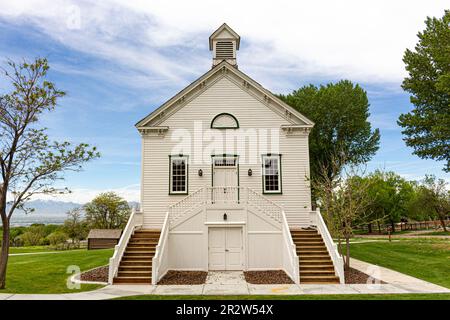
x,y
224,43
224,50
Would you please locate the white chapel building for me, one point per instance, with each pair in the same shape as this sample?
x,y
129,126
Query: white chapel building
x,y
225,183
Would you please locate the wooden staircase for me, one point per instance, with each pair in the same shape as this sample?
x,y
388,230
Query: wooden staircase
x,y
136,264
316,265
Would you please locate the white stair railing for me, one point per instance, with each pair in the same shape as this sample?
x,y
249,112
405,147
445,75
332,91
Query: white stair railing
x,y
338,261
223,195
160,260
264,205
192,201
290,258
134,222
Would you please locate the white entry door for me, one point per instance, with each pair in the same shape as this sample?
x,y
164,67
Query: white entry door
x,y
225,248
225,180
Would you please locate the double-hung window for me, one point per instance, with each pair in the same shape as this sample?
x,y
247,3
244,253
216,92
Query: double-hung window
x,y
271,173
178,178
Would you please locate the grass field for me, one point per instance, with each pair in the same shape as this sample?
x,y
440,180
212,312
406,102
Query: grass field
x,y
47,273
427,259
412,296
14,250
435,233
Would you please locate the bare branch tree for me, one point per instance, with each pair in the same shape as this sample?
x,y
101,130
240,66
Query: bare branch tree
x,y
29,162
343,197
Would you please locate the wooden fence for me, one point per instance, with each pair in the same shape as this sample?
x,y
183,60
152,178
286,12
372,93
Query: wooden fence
x,y
404,226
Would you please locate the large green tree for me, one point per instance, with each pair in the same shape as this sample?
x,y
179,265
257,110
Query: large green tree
x,y
340,112
390,196
107,211
434,198
427,127
29,162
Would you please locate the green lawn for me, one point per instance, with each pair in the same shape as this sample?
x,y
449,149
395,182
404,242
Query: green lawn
x,y
435,233
412,296
47,273
427,259
14,250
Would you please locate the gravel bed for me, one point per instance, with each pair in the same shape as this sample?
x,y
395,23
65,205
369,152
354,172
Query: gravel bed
x,y
99,274
353,276
267,277
173,277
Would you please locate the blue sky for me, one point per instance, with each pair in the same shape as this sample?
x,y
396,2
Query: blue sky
x,y
118,61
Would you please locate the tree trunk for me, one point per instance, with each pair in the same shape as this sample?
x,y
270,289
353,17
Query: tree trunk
x,y
370,227
379,227
347,253
4,252
392,226
441,218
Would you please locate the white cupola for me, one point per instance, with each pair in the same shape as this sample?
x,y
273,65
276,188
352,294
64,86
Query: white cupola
x,y
224,42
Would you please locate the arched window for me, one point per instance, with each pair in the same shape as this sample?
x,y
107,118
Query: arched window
x,y
224,121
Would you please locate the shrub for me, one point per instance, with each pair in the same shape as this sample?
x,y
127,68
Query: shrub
x,y
57,237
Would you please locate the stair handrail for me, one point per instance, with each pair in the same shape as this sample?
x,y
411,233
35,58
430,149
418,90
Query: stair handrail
x,y
134,221
291,250
337,259
178,209
160,250
269,207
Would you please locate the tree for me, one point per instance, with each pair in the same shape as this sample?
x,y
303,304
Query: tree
x,y
390,196
34,236
343,199
107,211
427,127
74,226
435,197
57,237
340,112
29,162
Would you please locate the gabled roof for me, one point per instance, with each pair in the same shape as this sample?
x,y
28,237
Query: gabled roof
x,y
181,97
220,30
104,234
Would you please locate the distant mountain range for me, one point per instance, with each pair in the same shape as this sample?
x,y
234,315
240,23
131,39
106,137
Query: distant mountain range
x,y
47,212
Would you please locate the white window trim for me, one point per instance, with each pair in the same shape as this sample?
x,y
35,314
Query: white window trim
x,y
263,173
186,159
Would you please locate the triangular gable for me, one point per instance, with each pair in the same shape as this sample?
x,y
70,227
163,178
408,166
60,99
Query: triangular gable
x,y
202,83
229,33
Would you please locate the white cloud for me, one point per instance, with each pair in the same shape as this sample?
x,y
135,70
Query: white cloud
x,y
84,195
360,40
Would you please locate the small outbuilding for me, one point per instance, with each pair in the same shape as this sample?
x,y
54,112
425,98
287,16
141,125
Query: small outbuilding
x,y
103,238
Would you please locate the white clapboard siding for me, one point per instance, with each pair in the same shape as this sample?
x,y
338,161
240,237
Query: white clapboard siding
x,y
224,95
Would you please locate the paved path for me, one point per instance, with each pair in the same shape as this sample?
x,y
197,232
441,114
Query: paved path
x,y
421,234
233,283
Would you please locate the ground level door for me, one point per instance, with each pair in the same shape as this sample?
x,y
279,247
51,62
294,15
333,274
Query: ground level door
x,y
225,248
